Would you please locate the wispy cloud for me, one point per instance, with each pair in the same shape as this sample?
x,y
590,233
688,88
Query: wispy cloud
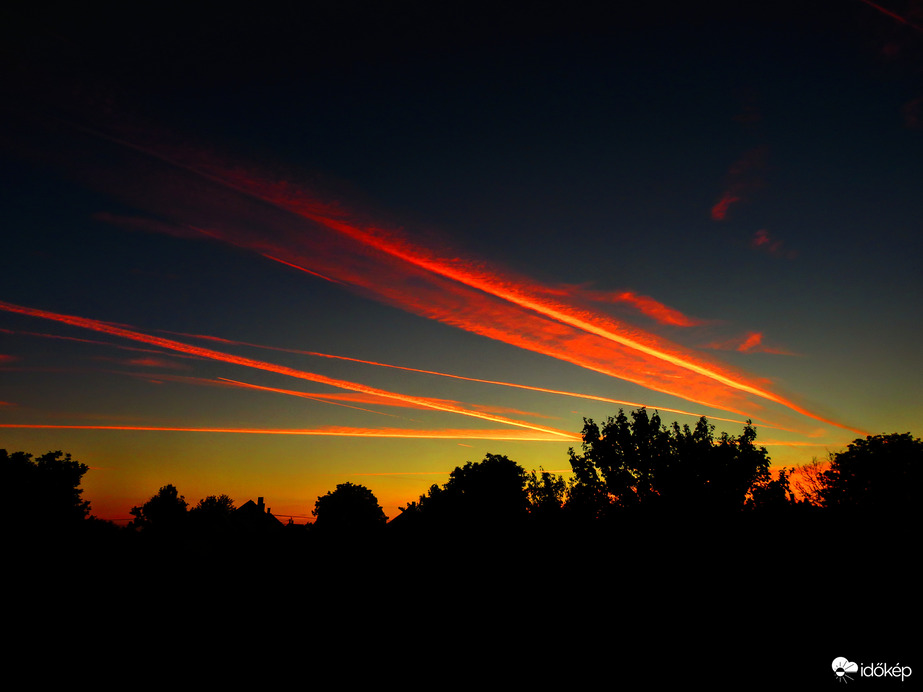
x,y
763,241
514,385
210,354
283,221
744,177
644,304
355,397
752,342
328,431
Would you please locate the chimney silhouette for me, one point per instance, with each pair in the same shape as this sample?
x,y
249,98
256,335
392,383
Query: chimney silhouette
x,y
259,504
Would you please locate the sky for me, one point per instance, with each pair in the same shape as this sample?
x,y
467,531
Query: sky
x,y
263,253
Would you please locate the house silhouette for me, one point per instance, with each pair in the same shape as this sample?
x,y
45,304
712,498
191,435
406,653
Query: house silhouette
x,y
254,517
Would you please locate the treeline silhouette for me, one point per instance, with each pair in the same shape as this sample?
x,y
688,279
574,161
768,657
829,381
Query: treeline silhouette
x,y
637,487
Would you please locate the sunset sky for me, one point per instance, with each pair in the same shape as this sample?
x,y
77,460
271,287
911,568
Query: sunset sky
x,y
264,254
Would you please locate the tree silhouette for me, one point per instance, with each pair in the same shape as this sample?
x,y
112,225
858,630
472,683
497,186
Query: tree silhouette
x,y
488,493
772,495
44,492
165,512
880,474
215,506
547,493
641,463
212,517
351,508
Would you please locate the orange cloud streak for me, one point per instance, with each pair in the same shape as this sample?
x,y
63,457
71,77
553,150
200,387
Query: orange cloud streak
x,y
323,398
369,399
113,330
514,385
753,340
513,290
229,203
329,431
751,343
646,305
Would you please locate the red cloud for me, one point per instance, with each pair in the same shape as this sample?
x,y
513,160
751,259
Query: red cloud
x,y
643,304
283,221
764,242
751,343
720,210
743,179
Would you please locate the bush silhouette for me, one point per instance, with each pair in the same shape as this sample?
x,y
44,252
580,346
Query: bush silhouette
x,y
351,508
165,512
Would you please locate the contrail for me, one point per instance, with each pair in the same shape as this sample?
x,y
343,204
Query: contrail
x,y
331,431
106,328
290,392
893,15
510,290
326,399
453,290
514,385
514,293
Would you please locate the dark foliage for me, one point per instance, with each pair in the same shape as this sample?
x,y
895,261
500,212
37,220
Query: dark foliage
x,y
547,493
640,463
165,512
43,492
880,474
680,491
491,492
351,508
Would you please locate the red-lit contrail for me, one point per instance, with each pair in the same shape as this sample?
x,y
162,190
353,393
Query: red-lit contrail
x,y
374,399
331,398
329,431
517,292
291,226
303,395
301,269
452,376
893,15
169,344
514,385
378,250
